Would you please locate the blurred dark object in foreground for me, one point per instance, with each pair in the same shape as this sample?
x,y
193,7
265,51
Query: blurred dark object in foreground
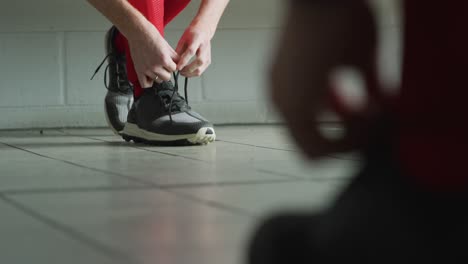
x,y
381,217
408,203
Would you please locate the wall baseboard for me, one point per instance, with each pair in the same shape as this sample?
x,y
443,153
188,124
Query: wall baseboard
x,y
242,112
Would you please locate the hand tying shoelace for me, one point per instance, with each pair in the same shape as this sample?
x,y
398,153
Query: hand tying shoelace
x,y
175,98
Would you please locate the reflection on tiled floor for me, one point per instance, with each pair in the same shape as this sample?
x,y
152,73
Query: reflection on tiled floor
x,y
85,196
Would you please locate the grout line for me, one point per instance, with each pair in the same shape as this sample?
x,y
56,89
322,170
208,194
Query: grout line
x,y
142,188
251,145
227,184
73,234
150,183
217,205
185,157
230,142
299,178
214,204
288,150
74,190
132,145
190,198
290,176
137,180
146,183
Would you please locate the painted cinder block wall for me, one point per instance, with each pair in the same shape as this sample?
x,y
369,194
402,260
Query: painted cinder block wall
x,y
50,48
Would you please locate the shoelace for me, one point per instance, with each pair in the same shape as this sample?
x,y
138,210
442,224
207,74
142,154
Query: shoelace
x,y
174,92
175,99
106,72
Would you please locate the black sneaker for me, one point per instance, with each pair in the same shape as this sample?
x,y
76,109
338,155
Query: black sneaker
x,y
119,97
161,116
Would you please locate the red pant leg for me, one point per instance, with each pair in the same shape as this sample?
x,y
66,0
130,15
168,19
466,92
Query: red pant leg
x,y
159,13
172,8
153,10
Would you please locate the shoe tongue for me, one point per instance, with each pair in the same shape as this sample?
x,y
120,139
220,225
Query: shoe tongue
x,y
166,86
166,91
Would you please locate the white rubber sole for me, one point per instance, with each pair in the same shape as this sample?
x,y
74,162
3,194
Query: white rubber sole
x,y
133,132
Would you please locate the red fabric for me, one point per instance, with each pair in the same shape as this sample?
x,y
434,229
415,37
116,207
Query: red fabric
x,y
159,13
172,8
153,10
433,134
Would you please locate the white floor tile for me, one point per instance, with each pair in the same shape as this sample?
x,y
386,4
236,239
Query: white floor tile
x,y
149,204
26,240
150,226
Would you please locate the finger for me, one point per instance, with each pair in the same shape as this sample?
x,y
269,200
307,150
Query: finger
x,y
145,81
194,65
203,68
180,46
169,65
173,54
199,66
154,77
175,58
160,75
196,73
163,74
204,53
186,56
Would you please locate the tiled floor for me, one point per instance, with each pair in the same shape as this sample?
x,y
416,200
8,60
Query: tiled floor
x,y
84,196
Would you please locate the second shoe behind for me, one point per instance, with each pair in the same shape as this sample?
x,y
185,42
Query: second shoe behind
x,y
119,96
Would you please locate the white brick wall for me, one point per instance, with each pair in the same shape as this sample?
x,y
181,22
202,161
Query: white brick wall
x,y
49,49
